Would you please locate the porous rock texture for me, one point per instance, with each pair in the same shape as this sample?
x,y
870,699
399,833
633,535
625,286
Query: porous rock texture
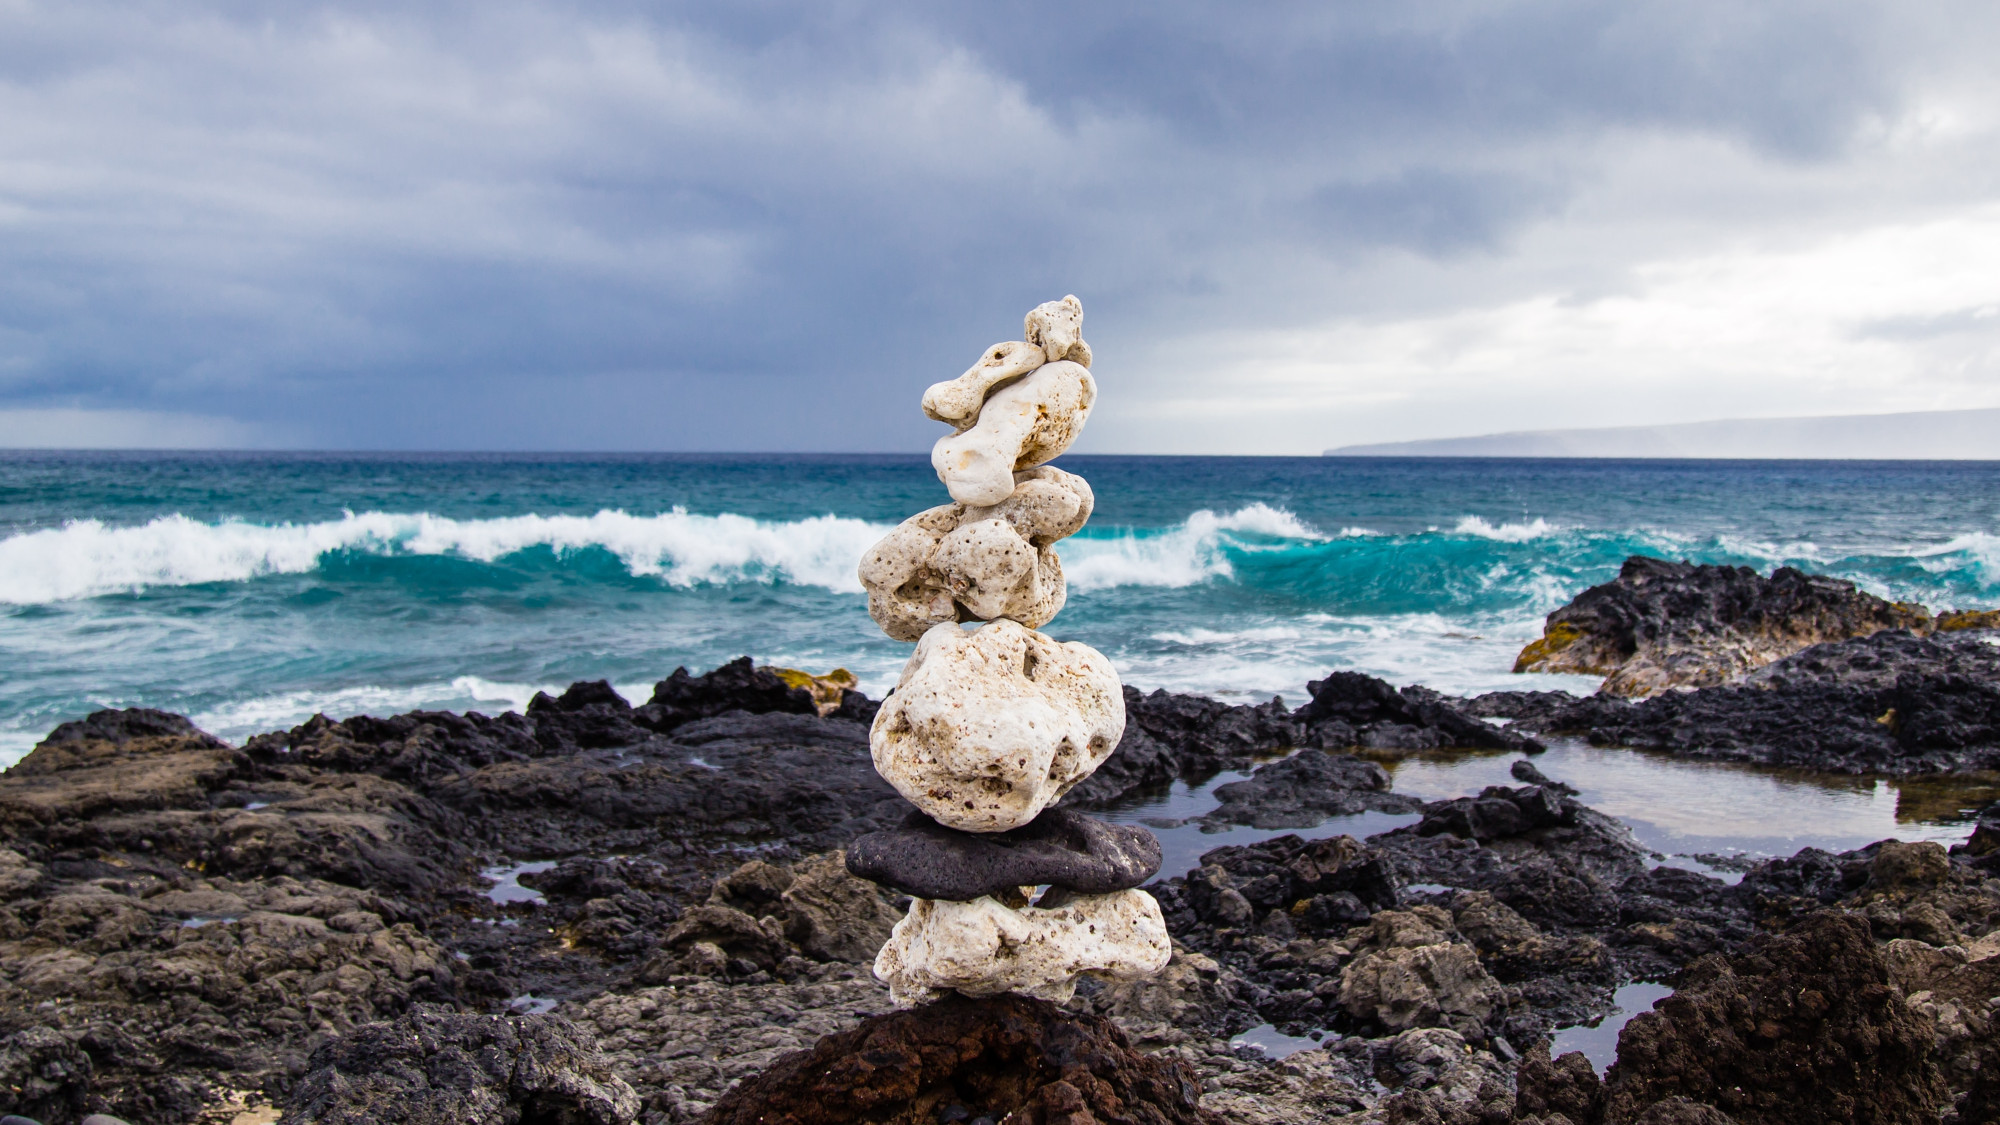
x,y
1005,1057
169,953
446,1068
1806,1025
1022,424
182,921
956,402
986,729
1663,624
985,947
1892,703
1060,848
1057,328
954,563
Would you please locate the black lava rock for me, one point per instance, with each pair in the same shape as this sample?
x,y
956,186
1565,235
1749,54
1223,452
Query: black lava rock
x,y
1305,789
1892,703
1061,848
1350,709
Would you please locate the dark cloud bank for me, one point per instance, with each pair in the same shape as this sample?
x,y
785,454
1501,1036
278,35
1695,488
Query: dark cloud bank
x,y
764,225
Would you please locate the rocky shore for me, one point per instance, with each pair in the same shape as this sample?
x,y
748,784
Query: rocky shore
x,y
602,912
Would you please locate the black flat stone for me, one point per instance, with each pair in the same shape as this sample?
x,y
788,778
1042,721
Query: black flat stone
x,y
1061,848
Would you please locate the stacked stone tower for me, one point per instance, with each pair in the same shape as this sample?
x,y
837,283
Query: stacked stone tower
x,y
989,727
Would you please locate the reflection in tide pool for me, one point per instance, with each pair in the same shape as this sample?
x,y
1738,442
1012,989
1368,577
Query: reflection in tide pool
x,y
1599,1041
1677,806
1684,806
1182,840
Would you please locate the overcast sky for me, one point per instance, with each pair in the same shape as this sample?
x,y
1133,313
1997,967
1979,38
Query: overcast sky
x,y
768,225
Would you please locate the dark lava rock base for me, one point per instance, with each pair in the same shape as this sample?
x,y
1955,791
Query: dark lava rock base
x,y
962,1060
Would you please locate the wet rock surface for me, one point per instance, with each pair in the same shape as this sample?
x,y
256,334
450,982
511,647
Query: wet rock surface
x,y
1306,789
1662,625
183,923
1191,738
1892,703
1060,848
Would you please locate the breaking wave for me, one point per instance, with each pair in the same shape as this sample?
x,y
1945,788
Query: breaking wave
x,y
86,558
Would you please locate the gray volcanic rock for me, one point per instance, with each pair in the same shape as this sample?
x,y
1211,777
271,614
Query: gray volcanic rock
x,y
1305,789
1663,624
1891,703
443,1068
1061,848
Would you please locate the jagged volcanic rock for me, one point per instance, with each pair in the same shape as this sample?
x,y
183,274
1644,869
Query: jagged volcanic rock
x,y
1349,709
1890,703
1663,624
1305,789
1060,847
434,1067
1805,1025
960,1059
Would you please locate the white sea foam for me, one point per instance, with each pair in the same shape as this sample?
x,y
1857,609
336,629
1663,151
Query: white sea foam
x,y
1984,549
1537,528
86,558
1189,554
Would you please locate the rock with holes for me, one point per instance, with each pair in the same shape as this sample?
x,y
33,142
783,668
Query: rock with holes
x,y
960,563
984,947
957,401
986,729
1022,424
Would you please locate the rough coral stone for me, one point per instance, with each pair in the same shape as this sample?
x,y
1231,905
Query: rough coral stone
x,y
959,563
1023,424
983,948
1059,848
986,729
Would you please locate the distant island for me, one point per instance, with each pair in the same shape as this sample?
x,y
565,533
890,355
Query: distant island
x,y
1932,435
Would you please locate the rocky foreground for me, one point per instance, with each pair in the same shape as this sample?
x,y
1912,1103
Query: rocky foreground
x,y
192,931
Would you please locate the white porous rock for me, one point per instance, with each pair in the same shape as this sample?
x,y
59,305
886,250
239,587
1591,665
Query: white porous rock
x,y
1057,328
986,729
1021,425
957,401
983,947
954,563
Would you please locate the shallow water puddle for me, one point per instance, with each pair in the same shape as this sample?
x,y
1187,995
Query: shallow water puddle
x,y
529,1004
1682,806
1599,1041
1170,817
507,882
1274,1043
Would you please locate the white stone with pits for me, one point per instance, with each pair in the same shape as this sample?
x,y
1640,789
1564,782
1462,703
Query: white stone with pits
x,y
983,947
954,563
988,728
1021,425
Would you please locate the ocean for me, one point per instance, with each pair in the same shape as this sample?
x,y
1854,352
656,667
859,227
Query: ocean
x,y
252,590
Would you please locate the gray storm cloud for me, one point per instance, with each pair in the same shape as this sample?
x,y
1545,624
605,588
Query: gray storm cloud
x,y
768,226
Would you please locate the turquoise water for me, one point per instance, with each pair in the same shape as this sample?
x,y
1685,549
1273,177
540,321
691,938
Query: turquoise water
x,y
252,590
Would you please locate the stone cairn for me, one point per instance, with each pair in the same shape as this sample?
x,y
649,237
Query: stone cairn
x,y
988,728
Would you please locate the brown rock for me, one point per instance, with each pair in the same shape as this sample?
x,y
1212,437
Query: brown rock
x,y
990,1057
1802,1026
1900,866
1664,624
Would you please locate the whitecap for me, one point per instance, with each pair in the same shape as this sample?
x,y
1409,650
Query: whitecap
x,y
1537,528
87,558
1187,554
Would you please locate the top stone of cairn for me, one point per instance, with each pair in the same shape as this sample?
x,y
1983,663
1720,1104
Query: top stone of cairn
x,y
1021,405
